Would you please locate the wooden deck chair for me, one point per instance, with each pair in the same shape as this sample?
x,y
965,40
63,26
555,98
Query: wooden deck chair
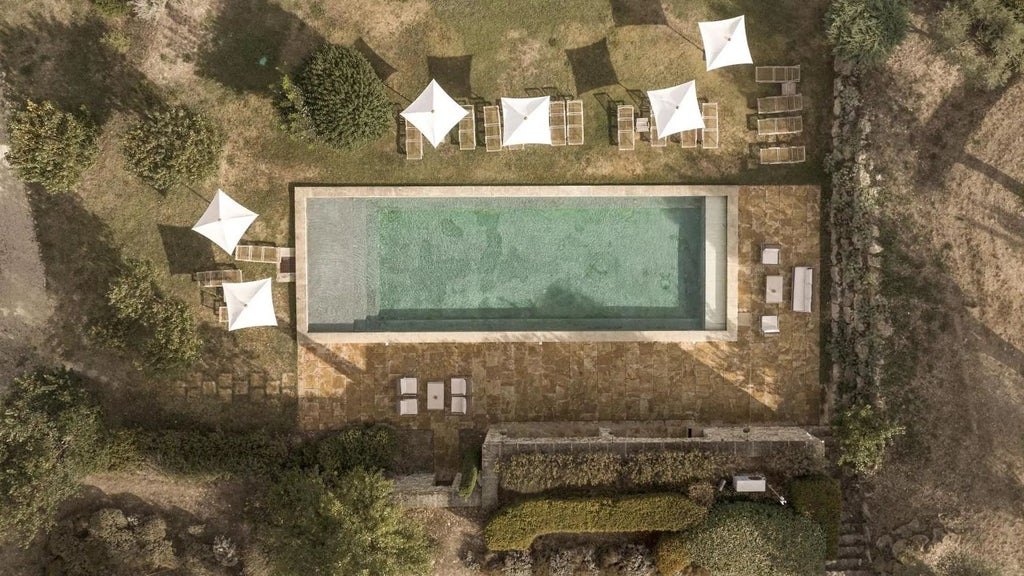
x,y
492,128
216,278
574,122
627,128
789,88
779,104
467,129
285,265
222,315
783,155
657,141
776,74
780,125
709,135
556,118
253,253
688,138
413,142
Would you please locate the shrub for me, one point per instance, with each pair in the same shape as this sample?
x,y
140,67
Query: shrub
x,y
748,539
671,555
864,436
337,98
959,563
370,447
149,10
866,31
537,472
820,499
515,527
111,7
672,468
50,146
117,41
177,147
316,524
470,467
702,493
50,436
985,37
190,451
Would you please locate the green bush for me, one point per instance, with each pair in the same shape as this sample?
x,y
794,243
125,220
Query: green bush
x,y
336,98
470,467
672,468
866,31
173,148
51,435
671,556
960,563
50,146
984,37
864,436
214,452
370,447
315,524
516,526
748,539
820,499
112,7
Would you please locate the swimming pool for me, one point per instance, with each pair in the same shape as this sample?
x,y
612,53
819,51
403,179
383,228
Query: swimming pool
x,y
385,263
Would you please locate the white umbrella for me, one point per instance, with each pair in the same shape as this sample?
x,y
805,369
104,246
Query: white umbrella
x,y
675,109
249,304
526,121
725,42
225,221
434,113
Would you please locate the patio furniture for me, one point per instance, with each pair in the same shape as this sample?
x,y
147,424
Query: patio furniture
x,y
408,386
222,315
709,135
459,404
688,138
627,129
769,324
656,140
435,395
252,253
803,288
779,104
492,129
460,387
216,278
776,74
788,88
556,116
413,142
408,407
773,289
783,155
285,265
782,125
771,254
643,125
574,122
467,129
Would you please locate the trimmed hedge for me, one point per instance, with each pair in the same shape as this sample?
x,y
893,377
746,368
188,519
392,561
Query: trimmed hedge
x,y
671,555
820,499
866,31
515,527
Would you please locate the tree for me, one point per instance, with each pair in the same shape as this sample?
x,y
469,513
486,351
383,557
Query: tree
x,y
50,146
176,147
316,524
866,31
336,98
985,38
864,436
51,435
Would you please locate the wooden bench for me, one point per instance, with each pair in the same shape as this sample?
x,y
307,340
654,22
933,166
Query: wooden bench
x,y
627,129
656,140
222,314
688,138
783,125
413,142
783,155
252,253
216,278
709,135
492,129
556,118
574,122
776,74
467,129
778,104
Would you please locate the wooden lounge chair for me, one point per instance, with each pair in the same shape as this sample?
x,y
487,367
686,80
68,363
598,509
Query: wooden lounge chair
x,y
222,314
413,142
781,125
556,118
467,129
253,253
788,88
216,278
776,74
688,138
492,128
627,130
574,122
778,104
709,135
285,265
656,140
783,155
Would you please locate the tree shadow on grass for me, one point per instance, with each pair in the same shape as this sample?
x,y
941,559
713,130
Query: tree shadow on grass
x,y
187,251
592,66
251,41
638,12
66,63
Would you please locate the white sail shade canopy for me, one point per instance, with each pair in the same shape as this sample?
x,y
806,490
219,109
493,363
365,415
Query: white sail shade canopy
x,y
249,304
675,109
225,221
434,112
526,121
725,42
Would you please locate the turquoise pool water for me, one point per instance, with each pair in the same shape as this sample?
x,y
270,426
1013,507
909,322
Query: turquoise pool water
x,y
505,264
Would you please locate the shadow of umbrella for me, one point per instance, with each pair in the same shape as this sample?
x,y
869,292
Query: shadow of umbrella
x,y
377,62
452,73
592,66
187,251
638,12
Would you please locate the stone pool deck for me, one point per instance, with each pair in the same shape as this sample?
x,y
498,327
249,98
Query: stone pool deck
x,y
755,379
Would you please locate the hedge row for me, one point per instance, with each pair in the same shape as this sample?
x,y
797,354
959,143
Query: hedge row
x,y
820,499
515,527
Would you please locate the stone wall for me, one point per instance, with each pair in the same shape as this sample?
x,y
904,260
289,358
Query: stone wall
x,y
421,491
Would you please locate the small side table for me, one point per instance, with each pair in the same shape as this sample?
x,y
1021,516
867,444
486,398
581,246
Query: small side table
x,y
773,290
435,395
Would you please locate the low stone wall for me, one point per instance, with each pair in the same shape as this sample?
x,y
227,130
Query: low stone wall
x,y
420,491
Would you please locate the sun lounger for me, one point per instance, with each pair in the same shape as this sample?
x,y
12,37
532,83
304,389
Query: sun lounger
x,y
215,278
782,125
492,128
467,129
657,141
688,138
803,288
574,122
769,325
285,265
709,135
460,404
408,407
779,104
776,74
788,88
435,395
783,155
460,387
251,253
771,254
413,142
408,386
222,314
556,118
627,130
